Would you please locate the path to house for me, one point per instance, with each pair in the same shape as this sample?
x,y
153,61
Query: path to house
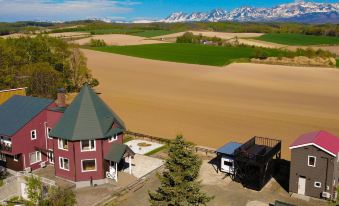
x,y
213,105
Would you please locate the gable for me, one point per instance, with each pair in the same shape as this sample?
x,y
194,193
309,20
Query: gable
x,y
18,111
314,145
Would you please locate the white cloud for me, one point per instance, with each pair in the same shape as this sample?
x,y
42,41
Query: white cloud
x,y
14,10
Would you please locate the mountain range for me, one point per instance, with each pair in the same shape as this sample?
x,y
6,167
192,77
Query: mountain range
x,y
303,12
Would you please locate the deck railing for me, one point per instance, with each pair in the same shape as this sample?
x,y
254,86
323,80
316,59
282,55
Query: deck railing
x,y
273,146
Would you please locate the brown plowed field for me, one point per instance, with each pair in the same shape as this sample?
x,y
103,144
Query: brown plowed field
x,y
213,105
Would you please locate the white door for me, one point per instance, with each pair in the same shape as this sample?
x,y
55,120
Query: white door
x,y
301,185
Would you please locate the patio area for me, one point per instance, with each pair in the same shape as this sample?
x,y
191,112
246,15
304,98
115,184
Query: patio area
x,y
143,146
143,165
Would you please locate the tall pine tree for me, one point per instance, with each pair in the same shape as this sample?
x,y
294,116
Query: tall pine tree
x,y
179,185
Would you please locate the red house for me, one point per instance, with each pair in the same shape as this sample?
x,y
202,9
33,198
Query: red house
x,y
23,130
87,140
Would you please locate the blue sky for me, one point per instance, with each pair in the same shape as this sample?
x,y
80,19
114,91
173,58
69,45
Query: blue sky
x,y
17,10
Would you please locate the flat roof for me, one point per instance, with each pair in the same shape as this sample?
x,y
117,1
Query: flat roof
x,y
229,148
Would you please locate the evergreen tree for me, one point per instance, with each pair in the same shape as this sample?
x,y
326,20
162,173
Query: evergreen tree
x,y
179,185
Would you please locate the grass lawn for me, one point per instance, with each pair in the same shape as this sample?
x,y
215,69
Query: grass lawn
x,y
298,39
187,53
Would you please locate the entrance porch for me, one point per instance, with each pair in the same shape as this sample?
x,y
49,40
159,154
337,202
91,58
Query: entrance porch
x,y
116,159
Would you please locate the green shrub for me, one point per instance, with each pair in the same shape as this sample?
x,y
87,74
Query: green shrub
x,y
97,43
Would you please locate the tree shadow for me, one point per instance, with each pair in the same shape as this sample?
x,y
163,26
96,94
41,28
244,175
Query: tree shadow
x,y
282,173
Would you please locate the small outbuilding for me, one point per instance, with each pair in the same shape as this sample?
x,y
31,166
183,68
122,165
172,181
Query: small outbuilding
x,y
225,155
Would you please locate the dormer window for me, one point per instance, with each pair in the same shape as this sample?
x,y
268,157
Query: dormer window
x,y
311,161
33,135
113,138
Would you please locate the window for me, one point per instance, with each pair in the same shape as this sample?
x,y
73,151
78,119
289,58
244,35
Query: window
x,y
50,156
64,163
317,184
63,144
113,138
34,157
48,131
88,165
2,157
33,134
15,158
227,163
87,145
311,161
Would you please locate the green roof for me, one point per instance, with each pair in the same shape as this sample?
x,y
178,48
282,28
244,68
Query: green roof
x,y
88,117
117,152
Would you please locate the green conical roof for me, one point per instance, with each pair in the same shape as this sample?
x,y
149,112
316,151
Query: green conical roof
x,y
88,117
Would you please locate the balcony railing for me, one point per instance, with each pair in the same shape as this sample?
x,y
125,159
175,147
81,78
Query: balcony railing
x,y
6,146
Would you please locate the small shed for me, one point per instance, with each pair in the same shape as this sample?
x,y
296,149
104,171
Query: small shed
x,y
226,157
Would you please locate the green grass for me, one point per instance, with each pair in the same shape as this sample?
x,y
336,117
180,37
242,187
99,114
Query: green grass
x,y
156,150
188,53
299,39
135,32
127,138
337,60
154,33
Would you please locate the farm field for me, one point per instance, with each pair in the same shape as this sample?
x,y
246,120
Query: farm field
x,y
119,40
135,32
298,39
213,105
188,53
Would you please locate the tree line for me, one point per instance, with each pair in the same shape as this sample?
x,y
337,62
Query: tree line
x,y
42,64
236,27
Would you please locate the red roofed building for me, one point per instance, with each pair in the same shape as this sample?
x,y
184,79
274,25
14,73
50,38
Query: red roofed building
x,y
314,165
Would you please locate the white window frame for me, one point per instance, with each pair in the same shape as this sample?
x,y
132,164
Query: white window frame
x,y
48,156
38,159
15,158
113,138
82,166
62,148
3,157
308,161
47,132
35,133
315,184
62,167
88,150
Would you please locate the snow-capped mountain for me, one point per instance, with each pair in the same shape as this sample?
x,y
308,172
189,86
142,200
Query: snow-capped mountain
x,y
306,12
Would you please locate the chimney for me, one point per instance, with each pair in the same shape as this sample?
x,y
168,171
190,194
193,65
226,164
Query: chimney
x,y
61,98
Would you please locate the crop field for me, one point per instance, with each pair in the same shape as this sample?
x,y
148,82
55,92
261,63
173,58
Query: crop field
x,y
135,32
299,39
188,53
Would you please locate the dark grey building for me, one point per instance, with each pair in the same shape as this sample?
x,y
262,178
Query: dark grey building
x,y
314,165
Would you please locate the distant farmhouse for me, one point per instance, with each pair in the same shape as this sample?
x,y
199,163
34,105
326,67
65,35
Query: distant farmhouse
x,y
82,140
314,165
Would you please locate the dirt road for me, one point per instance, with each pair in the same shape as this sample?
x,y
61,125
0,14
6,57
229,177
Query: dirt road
x,y
213,105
